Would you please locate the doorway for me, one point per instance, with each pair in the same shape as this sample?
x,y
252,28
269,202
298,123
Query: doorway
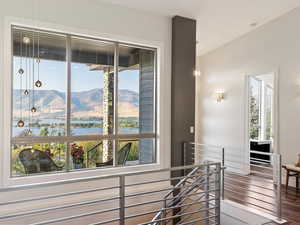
x,y
261,111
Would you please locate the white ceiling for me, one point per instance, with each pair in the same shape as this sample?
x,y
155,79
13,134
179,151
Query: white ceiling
x,y
218,21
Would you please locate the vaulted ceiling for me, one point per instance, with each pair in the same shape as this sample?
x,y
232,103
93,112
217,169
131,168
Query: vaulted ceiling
x,y
218,21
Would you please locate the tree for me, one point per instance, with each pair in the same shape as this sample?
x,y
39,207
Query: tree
x,y
254,116
44,132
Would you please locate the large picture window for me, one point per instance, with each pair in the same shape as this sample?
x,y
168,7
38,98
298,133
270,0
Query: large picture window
x,y
80,103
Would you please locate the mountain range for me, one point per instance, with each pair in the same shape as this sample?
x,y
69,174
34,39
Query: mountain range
x,y
84,104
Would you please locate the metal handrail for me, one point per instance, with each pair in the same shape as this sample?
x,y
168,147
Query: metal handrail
x,y
188,190
184,191
159,214
183,180
256,176
57,195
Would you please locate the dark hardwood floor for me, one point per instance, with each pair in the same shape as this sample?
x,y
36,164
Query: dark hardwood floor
x,y
258,192
291,206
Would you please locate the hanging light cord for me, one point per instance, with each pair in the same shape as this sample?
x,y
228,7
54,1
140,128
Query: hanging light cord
x,y
26,66
21,49
29,78
38,40
33,60
21,77
38,56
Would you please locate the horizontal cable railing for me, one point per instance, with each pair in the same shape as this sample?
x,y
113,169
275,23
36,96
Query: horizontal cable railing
x,y
256,184
187,198
205,189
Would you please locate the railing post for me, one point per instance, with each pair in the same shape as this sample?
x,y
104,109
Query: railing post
x,y
207,186
279,183
87,158
164,212
223,174
122,199
184,151
217,194
184,146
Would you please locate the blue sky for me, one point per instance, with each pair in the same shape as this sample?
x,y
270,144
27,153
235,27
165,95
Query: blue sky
x,y
53,77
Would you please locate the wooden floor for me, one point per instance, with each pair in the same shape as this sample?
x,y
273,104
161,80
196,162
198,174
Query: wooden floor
x,y
259,192
291,206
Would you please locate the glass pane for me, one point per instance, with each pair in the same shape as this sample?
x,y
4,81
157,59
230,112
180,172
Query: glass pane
x,y
254,108
136,90
136,152
268,113
92,87
88,154
38,158
39,84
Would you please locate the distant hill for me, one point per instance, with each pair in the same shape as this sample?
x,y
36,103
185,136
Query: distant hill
x,y
85,104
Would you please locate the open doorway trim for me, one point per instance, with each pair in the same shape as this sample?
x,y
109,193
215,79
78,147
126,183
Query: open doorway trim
x,y
276,148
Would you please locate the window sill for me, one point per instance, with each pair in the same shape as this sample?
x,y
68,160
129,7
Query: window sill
x,y
74,176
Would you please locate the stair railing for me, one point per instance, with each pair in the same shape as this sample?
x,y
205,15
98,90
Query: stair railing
x,y
197,181
256,184
134,196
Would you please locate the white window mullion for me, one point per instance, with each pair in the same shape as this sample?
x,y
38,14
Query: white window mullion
x,y
116,95
262,110
259,109
68,98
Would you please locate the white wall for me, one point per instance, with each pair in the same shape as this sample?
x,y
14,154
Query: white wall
x,y
270,48
103,21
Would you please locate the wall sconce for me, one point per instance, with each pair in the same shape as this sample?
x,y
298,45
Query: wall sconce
x,y
219,95
197,73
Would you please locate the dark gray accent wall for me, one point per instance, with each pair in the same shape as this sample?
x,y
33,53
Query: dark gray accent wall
x,y
146,105
183,84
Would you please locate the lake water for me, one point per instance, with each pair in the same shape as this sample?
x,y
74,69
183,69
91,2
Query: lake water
x,y
75,131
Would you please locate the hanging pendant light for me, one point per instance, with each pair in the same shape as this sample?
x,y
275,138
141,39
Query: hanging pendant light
x,y
20,123
33,109
21,71
38,83
26,92
26,41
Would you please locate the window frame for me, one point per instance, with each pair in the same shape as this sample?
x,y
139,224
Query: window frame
x,y
265,123
161,160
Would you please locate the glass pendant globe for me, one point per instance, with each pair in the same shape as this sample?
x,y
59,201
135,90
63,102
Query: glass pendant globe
x,y
33,109
21,71
20,123
38,83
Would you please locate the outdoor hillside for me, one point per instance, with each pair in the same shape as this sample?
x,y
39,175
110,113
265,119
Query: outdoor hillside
x,y
85,104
